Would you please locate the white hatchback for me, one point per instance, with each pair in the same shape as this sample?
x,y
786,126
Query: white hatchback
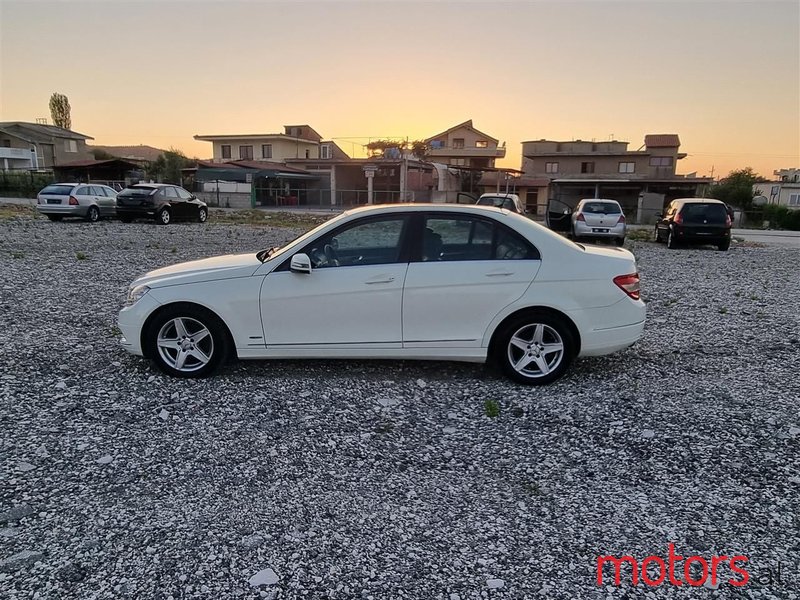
x,y
412,281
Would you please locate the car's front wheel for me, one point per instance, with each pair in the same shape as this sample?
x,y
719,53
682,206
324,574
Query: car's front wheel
x,y
672,243
186,341
163,217
202,215
535,349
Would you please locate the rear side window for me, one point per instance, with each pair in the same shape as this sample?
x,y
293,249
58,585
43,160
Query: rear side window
x,y
59,190
699,213
459,238
604,208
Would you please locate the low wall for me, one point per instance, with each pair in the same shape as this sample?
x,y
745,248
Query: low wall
x,y
225,199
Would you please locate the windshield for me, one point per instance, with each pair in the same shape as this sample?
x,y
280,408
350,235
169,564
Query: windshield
x,y
604,208
276,251
137,192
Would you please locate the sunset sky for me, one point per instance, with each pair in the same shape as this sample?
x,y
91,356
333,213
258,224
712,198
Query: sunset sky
x,y
723,75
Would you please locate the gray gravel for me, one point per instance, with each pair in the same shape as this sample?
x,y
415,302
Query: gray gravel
x,y
328,479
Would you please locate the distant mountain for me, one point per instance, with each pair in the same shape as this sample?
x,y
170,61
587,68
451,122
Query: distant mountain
x,y
136,153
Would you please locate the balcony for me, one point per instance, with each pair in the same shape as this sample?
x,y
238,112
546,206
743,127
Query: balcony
x,y
470,152
22,158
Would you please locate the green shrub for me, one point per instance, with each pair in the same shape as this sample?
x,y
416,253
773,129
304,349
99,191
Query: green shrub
x,y
23,184
780,217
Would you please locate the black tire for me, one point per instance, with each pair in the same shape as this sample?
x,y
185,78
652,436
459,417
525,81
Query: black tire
x,y
200,357
524,361
55,217
619,241
202,214
163,217
723,247
93,214
671,242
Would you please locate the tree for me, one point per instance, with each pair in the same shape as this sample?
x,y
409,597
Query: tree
x,y
60,111
167,167
101,154
377,148
737,188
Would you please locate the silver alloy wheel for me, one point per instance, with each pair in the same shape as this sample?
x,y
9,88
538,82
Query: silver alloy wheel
x,y
93,215
535,350
185,344
164,216
203,215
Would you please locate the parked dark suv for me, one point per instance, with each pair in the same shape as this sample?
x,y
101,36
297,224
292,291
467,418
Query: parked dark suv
x,y
695,221
160,201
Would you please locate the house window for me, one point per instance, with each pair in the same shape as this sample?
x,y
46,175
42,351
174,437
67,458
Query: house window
x,y
551,167
794,199
5,143
266,150
587,167
660,161
70,146
458,143
325,151
481,144
226,150
245,153
627,167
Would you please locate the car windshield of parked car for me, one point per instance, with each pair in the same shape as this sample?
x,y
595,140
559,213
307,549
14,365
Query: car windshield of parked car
x,y
61,190
704,213
137,192
603,208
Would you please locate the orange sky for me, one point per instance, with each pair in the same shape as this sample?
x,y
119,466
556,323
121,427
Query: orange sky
x,y
724,75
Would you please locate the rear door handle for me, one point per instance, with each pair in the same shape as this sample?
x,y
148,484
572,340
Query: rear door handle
x,y
379,279
499,273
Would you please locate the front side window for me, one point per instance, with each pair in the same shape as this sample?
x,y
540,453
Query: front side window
x,y
226,150
182,193
551,167
245,153
467,238
170,193
372,242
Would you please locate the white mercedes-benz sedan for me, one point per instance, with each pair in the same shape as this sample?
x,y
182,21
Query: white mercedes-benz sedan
x,y
410,281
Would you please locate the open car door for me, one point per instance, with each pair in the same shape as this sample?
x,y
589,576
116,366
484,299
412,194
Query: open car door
x,y
466,198
559,216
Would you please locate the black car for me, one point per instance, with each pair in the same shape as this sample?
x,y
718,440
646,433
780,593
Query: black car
x,y
696,221
160,201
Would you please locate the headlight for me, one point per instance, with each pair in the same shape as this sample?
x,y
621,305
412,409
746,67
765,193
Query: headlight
x,y
134,293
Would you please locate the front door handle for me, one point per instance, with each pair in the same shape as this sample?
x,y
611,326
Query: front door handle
x,y
499,273
379,279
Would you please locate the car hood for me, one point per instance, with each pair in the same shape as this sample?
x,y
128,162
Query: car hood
x,y
208,269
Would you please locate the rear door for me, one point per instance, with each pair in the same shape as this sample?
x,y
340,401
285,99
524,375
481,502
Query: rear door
x,y
479,266
98,194
559,216
177,204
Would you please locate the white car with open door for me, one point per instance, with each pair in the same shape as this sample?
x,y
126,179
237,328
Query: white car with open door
x,y
412,281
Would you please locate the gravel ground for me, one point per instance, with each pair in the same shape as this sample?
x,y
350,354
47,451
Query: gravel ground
x,y
331,479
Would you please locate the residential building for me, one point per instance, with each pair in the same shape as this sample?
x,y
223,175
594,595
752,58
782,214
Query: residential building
x,y
590,169
464,146
35,146
296,142
784,190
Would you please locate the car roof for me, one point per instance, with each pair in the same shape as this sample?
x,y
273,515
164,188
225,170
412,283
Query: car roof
x,y
698,201
423,206
152,185
599,200
498,195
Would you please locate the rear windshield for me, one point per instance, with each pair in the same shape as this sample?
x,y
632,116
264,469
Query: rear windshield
x,y
699,213
604,208
137,192
61,190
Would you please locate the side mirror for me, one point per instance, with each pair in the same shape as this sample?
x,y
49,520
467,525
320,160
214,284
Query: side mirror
x,y
300,263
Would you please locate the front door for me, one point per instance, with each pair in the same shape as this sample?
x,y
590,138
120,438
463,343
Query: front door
x,y
559,216
353,296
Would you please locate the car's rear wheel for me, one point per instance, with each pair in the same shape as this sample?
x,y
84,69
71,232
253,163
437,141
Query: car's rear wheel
x,y
186,341
619,241
163,217
723,247
55,217
535,349
93,214
671,241
202,215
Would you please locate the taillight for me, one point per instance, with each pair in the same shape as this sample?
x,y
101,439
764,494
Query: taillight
x,y
580,217
628,284
728,222
621,219
678,218
73,201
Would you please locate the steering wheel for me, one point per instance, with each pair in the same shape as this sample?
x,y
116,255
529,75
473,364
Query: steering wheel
x,y
331,259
